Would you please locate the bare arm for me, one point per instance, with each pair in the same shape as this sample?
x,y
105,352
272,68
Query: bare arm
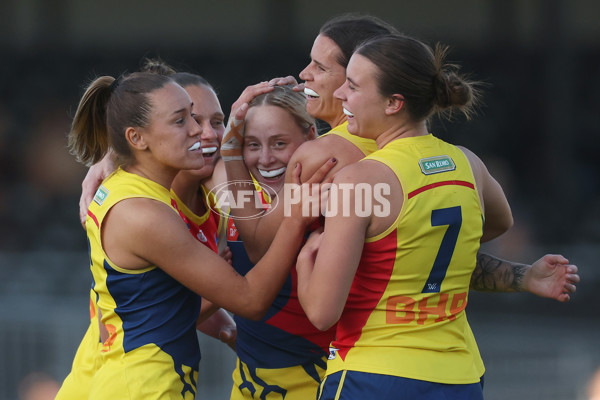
x,y
218,177
258,233
244,208
551,276
263,87
332,256
498,216
132,240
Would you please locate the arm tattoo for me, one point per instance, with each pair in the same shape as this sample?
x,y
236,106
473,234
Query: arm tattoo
x,y
492,274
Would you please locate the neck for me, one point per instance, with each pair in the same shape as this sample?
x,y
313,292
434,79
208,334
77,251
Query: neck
x,y
403,130
163,177
190,193
337,120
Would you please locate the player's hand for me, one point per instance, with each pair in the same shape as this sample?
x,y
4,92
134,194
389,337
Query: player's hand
x,y
304,199
283,81
228,335
250,93
265,87
308,253
226,254
299,87
553,277
94,177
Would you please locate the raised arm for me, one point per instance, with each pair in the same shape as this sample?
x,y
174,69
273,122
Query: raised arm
x,y
551,276
240,185
258,233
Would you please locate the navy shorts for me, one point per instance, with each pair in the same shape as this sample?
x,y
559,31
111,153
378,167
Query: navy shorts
x,y
355,385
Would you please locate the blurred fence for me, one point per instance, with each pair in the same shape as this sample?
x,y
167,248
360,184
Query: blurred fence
x,y
533,348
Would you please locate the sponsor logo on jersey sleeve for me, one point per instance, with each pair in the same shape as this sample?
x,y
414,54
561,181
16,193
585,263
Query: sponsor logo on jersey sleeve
x,y
101,195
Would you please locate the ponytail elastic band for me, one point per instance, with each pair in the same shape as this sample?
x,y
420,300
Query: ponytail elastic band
x,y
115,83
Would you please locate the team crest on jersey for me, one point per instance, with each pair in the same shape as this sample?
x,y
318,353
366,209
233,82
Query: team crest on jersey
x,y
332,353
437,164
201,236
101,195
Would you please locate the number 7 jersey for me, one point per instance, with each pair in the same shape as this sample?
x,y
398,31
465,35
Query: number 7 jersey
x,y
405,313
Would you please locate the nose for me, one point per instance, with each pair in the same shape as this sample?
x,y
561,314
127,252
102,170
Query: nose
x,y
196,129
305,74
266,157
340,92
208,132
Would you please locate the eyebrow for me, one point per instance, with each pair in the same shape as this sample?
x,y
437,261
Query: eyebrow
x,y
183,109
351,81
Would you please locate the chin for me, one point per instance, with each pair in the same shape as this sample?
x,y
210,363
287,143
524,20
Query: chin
x,y
312,107
352,128
204,172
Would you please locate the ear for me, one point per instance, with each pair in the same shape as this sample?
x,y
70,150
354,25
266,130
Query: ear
x,y
394,104
135,138
312,133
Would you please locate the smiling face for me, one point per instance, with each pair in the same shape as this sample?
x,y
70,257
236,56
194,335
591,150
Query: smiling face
x,y
362,103
209,115
322,77
172,136
271,137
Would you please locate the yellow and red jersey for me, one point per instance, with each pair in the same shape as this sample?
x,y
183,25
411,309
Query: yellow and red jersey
x,y
405,313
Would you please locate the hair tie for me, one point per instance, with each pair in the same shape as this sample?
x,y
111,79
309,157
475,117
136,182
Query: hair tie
x,y
113,86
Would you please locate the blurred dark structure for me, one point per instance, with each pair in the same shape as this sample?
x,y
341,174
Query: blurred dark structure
x,y
537,131
540,60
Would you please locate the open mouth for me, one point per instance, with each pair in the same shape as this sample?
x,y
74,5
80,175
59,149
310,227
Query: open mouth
x,y
348,113
273,174
311,93
209,151
194,147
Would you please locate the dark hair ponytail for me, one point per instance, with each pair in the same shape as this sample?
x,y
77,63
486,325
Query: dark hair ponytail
x,y
452,90
106,109
411,68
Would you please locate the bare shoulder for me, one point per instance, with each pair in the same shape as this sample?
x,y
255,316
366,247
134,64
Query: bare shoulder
x,y
477,165
314,153
311,149
365,171
136,229
141,216
472,157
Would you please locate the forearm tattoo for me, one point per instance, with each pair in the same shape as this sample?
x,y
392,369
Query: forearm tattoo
x,y
492,274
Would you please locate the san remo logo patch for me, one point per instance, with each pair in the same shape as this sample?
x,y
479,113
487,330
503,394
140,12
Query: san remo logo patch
x,y
437,164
